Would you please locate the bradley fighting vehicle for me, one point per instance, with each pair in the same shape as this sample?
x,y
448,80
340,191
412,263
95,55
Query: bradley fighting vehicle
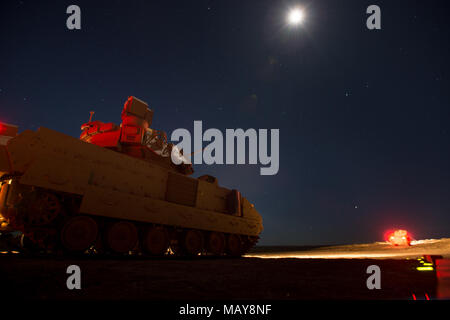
x,y
117,190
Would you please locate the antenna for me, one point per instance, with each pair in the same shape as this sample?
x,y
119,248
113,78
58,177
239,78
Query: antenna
x,y
92,114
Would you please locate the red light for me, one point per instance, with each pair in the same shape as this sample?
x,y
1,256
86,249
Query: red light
x,y
8,130
398,237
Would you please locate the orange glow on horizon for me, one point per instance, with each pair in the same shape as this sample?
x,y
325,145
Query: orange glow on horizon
x,y
398,237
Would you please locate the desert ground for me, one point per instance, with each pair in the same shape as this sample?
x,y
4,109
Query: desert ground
x,y
377,250
267,273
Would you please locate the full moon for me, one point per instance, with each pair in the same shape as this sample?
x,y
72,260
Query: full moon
x,y
295,16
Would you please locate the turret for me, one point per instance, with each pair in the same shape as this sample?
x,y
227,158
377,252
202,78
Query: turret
x,y
134,136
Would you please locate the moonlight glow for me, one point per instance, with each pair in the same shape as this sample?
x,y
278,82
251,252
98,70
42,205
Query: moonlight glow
x,y
295,16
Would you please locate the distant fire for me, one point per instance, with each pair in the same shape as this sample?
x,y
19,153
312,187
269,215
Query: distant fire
x,y
398,237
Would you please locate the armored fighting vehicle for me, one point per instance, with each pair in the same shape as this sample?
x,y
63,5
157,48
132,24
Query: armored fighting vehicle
x,y
117,190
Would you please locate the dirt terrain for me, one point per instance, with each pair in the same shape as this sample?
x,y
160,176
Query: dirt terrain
x,y
376,250
210,279
267,273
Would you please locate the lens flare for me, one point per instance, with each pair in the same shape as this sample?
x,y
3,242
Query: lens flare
x,y
295,16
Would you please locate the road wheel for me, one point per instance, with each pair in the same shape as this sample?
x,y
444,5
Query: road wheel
x,y
193,242
234,245
79,233
40,209
216,243
122,236
156,241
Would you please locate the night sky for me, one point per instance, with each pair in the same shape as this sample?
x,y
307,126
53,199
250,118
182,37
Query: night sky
x,y
363,114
